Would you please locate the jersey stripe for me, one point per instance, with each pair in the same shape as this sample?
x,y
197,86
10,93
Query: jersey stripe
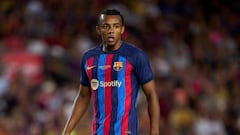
x,y
95,76
121,96
114,99
133,120
127,104
100,90
107,93
89,63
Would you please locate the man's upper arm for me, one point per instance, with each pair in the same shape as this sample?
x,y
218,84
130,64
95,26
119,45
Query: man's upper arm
x,y
84,91
149,88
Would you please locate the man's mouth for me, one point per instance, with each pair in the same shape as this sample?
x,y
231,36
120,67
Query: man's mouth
x,y
110,38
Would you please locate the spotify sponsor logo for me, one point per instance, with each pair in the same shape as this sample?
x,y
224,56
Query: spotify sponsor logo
x,y
95,84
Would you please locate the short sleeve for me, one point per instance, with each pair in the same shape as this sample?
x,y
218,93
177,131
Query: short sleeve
x,y
83,74
143,69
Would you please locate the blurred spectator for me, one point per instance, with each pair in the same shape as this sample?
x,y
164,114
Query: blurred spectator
x,y
181,117
208,123
4,80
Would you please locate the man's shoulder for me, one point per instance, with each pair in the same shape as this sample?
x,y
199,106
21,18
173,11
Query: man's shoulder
x,y
91,52
131,49
129,46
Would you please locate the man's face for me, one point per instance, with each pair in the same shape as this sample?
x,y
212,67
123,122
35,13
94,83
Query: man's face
x,y
110,28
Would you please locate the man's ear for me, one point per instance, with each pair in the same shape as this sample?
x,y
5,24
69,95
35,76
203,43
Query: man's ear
x,y
98,29
123,29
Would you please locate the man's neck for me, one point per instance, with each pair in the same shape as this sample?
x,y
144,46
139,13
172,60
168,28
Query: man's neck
x,y
107,48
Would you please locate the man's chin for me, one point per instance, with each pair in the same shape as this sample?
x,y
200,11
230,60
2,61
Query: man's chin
x,y
111,43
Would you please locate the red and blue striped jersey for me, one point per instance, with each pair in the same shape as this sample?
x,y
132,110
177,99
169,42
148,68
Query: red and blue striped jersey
x,y
114,78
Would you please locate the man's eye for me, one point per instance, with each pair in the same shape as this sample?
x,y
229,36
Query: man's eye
x,y
117,26
105,26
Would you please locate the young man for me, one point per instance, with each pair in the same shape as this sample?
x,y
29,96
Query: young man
x,y
111,74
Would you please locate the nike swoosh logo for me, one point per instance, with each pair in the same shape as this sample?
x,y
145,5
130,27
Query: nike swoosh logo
x,y
91,67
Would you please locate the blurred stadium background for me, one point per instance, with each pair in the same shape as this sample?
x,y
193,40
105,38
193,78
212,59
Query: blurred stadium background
x,y
193,46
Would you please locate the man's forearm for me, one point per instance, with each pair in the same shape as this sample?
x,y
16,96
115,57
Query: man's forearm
x,y
153,107
79,108
154,114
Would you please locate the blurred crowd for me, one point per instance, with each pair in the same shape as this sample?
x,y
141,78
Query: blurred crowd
x,y
193,47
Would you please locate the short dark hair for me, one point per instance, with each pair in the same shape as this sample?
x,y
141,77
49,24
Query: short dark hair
x,y
111,12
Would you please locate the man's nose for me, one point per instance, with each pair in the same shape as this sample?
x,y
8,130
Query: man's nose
x,y
111,29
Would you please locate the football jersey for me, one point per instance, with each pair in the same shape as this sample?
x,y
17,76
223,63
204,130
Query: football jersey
x,y
114,78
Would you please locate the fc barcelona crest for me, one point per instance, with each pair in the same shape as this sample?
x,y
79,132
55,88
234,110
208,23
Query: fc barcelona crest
x,y
117,66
